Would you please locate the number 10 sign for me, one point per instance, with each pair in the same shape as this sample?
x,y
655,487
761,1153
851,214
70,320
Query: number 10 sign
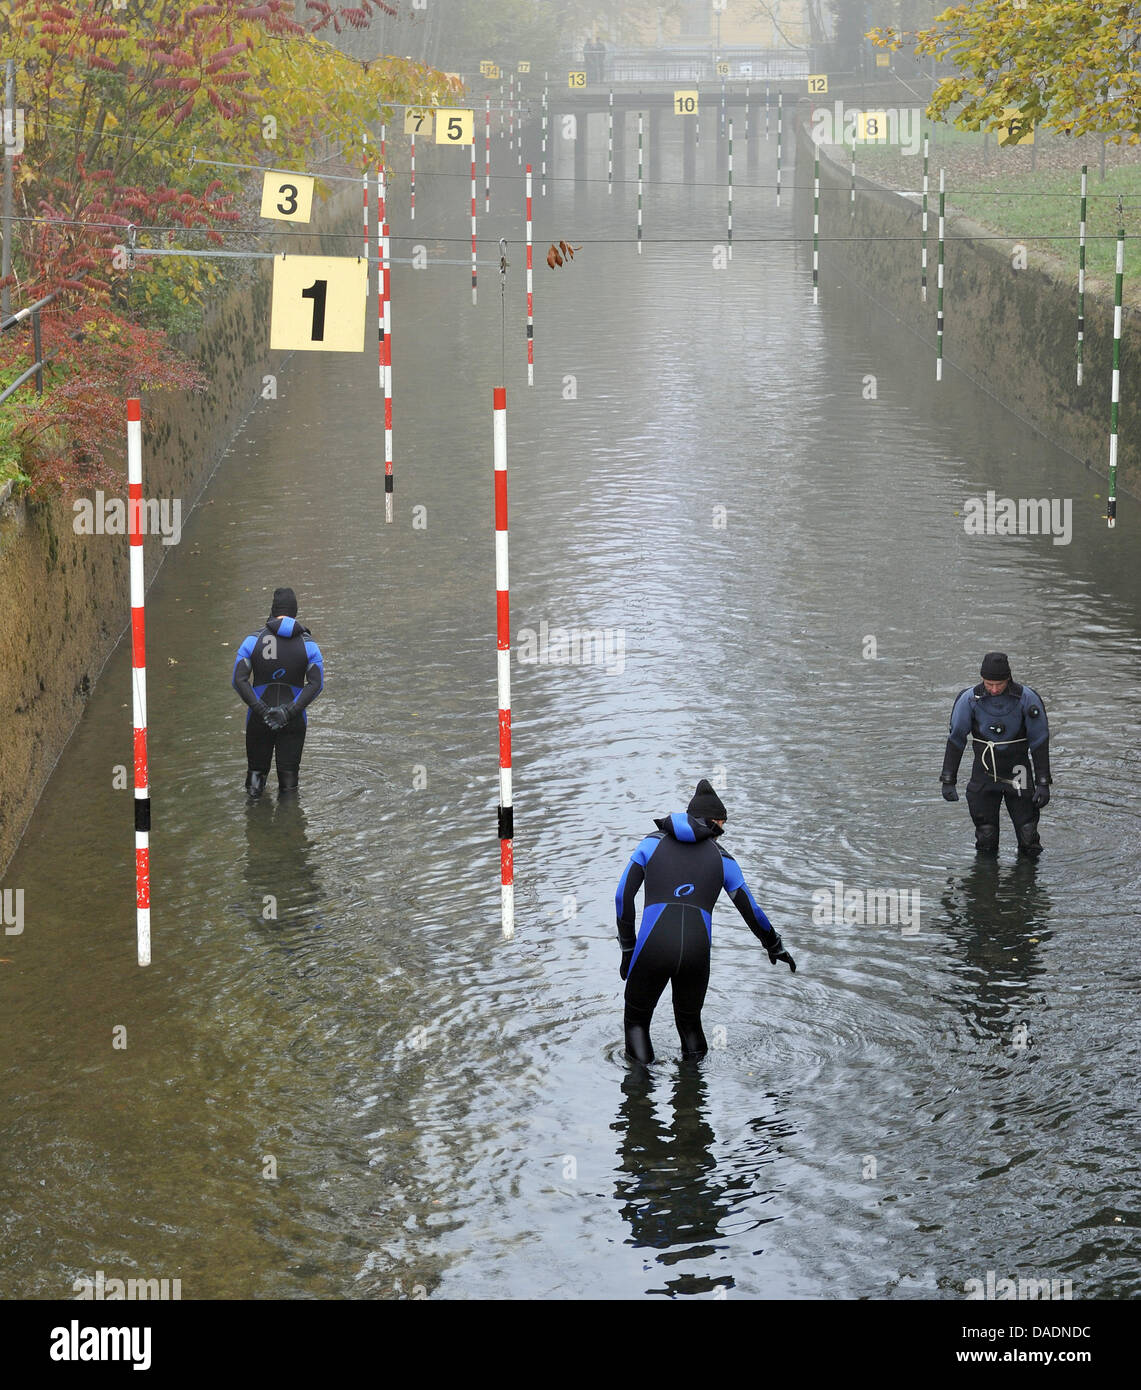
x,y
318,303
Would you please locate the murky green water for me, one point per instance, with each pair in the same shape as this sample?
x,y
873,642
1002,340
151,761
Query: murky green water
x,y
696,468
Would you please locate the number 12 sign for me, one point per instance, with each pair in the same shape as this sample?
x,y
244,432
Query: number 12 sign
x,y
318,303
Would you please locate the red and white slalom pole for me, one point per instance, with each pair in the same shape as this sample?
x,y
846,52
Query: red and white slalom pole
x,y
530,294
139,679
384,315
503,655
487,157
412,181
473,269
364,200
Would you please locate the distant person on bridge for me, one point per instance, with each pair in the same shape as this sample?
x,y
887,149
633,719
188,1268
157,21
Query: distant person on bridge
x,y
1007,723
684,870
278,672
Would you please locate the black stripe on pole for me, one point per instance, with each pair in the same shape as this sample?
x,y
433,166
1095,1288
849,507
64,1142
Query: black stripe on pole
x,y
506,822
388,482
142,813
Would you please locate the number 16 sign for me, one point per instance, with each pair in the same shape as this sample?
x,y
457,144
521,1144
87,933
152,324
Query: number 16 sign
x,y
318,303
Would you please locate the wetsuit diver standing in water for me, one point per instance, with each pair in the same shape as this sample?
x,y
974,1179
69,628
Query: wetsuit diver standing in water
x,y
1007,723
684,870
278,672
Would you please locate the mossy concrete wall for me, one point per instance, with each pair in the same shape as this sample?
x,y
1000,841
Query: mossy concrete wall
x,y
1015,330
64,597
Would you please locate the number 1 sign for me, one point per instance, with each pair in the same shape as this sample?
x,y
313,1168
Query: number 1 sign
x,y
318,303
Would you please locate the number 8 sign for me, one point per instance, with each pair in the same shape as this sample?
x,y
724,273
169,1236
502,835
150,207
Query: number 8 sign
x,y
318,303
454,127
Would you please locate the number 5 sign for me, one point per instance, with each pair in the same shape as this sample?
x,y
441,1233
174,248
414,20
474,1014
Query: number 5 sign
x,y
287,197
454,127
318,303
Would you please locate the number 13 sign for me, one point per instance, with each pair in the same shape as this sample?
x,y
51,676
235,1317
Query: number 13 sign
x,y
318,303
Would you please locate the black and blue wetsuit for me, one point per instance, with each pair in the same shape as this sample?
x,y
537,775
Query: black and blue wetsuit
x,y
278,667
683,869
1011,738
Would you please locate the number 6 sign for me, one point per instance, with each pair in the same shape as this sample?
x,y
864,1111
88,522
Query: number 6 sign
x,y
286,197
318,303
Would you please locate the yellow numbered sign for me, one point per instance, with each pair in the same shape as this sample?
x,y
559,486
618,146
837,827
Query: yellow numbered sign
x,y
576,79
487,67
286,197
418,121
493,73
685,103
454,127
722,69
883,60
817,84
523,67
871,127
1017,128
318,303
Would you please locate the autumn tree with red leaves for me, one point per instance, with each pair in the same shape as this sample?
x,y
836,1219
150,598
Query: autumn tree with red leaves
x,y
117,98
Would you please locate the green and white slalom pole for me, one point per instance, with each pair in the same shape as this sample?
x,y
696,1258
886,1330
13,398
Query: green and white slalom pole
x,y
730,238
1115,395
780,118
852,200
816,228
939,280
639,183
923,253
610,145
1082,277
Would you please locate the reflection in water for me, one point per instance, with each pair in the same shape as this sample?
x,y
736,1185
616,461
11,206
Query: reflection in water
x,y
676,1195
279,870
998,914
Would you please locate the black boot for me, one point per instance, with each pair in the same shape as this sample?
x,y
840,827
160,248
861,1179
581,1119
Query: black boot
x,y
255,784
286,781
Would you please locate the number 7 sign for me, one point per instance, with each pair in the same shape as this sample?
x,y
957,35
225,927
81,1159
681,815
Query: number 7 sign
x,y
318,303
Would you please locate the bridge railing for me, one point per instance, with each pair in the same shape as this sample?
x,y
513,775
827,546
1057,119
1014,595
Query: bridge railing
x,y
700,65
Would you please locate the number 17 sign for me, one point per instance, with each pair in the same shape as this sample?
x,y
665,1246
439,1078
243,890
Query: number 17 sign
x,y
318,303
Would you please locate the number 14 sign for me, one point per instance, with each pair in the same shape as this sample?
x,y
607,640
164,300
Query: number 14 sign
x,y
318,303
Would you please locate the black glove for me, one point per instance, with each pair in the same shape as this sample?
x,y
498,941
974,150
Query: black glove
x,y
624,968
950,792
776,951
278,717
1041,795
262,709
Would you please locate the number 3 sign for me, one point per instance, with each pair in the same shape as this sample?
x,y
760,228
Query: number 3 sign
x,y
318,303
287,197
